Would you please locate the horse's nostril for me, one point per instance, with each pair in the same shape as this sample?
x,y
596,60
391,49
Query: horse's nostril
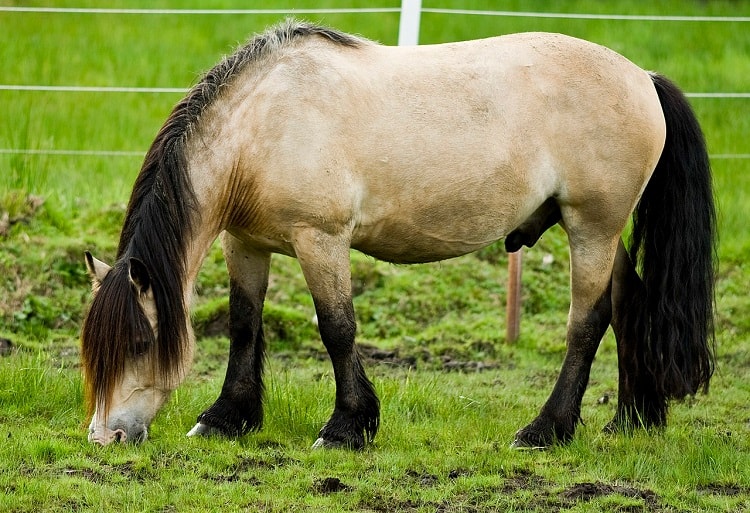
x,y
120,436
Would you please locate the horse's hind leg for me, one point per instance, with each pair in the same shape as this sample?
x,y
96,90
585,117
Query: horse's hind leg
x,y
591,261
239,408
325,263
638,404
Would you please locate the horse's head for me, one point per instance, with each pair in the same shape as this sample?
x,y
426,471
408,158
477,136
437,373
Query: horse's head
x,y
128,375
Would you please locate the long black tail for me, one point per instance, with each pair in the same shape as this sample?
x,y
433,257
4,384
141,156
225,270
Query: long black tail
x,y
673,246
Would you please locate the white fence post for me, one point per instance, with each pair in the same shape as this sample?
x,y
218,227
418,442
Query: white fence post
x,y
408,28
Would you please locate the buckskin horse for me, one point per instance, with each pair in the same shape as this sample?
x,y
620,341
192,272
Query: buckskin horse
x,y
307,142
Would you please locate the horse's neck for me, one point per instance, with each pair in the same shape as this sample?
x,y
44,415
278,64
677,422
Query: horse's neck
x,y
212,168
209,220
197,251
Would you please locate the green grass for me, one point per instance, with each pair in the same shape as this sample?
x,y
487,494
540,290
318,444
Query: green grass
x,y
444,442
446,427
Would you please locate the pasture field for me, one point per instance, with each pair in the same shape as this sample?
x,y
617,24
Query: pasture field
x,y
453,393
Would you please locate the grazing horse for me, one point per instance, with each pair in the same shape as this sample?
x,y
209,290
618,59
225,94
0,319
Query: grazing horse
x,y
308,142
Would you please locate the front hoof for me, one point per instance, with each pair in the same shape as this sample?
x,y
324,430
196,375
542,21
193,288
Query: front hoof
x,y
352,442
201,429
322,443
529,440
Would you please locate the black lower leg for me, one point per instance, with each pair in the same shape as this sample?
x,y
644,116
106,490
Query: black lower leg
x,y
356,416
557,421
239,407
637,404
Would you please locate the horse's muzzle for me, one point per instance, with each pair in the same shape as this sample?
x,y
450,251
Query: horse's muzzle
x,y
105,436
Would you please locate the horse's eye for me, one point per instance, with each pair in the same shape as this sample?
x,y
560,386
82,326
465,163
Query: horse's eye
x,y
140,346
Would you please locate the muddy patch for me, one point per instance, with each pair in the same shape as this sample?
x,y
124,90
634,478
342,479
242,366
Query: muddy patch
x,y
727,490
424,479
585,492
522,479
329,485
112,473
244,469
453,365
390,357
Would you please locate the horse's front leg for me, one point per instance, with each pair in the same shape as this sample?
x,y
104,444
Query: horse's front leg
x,y
239,408
590,314
325,264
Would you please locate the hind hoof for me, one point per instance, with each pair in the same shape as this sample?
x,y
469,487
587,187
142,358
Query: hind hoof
x,y
524,445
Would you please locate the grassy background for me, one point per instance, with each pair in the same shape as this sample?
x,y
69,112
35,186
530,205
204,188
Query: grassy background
x,y
452,392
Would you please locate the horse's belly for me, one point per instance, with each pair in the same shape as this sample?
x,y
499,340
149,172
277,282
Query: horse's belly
x,y
416,250
404,239
436,212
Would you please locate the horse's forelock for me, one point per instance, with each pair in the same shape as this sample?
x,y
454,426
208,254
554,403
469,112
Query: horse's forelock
x,y
112,325
117,330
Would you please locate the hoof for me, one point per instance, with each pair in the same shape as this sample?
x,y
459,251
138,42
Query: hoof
x,y
541,435
322,443
531,439
201,429
524,445
615,427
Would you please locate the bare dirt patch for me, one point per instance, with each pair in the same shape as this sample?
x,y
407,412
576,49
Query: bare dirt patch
x,y
727,490
329,485
391,357
588,491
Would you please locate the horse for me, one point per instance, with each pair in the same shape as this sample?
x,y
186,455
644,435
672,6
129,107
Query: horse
x,y
310,142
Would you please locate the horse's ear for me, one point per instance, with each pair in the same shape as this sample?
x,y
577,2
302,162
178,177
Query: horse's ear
x,y
139,275
97,269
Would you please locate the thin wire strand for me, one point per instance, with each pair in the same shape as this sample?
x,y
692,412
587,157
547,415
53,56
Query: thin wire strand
x,y
588,16
171,12
172,90
355,10
124,153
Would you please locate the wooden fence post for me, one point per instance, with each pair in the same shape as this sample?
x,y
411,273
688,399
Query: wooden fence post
x,y
513,303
